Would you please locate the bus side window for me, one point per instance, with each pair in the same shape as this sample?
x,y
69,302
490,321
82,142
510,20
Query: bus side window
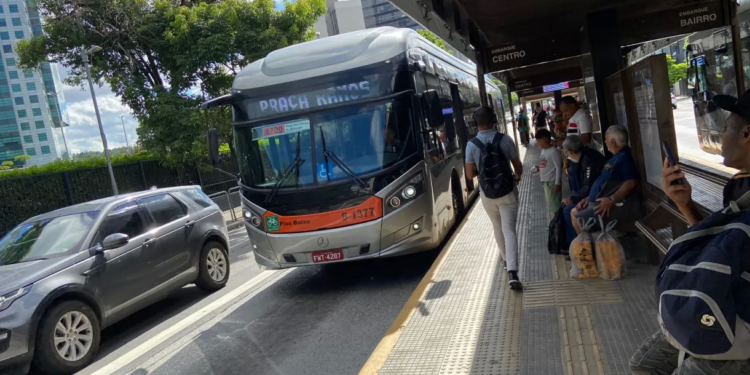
x,y
451,142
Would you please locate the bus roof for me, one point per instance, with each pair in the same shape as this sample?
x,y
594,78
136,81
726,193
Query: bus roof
x,y
337,53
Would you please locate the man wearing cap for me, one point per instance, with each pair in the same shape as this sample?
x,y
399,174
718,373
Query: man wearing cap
x,y
656,355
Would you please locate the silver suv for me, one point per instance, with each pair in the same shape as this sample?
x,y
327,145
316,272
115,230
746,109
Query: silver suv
x,y
67,274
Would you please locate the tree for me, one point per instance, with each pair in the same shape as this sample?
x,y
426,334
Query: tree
x,y
155,52
677,72
429,35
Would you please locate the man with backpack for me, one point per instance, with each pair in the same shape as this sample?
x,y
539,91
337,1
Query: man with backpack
x,y
703,284
489,156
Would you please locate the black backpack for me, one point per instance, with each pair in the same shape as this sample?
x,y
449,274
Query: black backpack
x,y
495,175
556,240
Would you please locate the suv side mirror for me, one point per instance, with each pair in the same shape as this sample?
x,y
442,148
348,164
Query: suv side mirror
x,y
114,241
213,146
434,109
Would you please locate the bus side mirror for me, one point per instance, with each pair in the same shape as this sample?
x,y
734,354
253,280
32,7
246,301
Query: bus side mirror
x,y
431,102
213,146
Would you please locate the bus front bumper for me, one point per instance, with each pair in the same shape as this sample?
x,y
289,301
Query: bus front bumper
x,y
405,231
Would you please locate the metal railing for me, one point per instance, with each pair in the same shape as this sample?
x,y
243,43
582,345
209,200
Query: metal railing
x,y
225,204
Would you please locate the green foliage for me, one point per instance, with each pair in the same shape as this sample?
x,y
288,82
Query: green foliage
x,y
120,151
504,89
6,165
677,72
154,52
429,35
22,158
61,165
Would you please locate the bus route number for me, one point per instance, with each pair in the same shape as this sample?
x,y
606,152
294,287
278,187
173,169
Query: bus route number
x,y
358,214
274,130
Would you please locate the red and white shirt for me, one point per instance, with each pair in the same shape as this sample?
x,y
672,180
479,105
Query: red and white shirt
x,y
580,123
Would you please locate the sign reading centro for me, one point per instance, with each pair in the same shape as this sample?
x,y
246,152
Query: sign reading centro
x,y
368,210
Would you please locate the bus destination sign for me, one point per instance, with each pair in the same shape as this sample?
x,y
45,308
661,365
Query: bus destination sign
x,y
312,99
273,130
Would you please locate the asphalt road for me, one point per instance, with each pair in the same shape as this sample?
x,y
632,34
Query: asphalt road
x,y
687,134
312,320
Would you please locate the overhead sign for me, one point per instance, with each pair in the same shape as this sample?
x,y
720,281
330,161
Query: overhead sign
x,y
514,55
674,21
556,87
547,78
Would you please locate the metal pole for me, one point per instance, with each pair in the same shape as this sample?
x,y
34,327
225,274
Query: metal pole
x,y
127,145
85,57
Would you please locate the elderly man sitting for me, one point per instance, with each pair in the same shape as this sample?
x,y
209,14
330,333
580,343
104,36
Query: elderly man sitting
x,y
590,164
611,195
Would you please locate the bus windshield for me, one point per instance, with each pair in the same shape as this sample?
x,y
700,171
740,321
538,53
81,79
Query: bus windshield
x,y
365,138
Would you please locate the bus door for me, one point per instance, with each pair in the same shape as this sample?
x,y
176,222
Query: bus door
x,y
461,129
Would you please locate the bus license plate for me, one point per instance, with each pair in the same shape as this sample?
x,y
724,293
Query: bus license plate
x,y
327,256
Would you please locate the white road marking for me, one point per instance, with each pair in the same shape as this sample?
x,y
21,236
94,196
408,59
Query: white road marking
x,y
155,341
241,243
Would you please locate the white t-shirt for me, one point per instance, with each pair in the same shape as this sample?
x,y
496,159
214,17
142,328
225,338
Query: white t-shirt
x,y
580,123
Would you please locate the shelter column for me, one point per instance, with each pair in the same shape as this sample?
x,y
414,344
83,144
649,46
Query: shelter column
x,y
604,44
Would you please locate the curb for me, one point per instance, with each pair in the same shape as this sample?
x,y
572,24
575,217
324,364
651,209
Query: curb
x,y
232,225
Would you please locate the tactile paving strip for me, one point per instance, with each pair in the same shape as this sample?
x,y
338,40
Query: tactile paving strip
x,y
570,292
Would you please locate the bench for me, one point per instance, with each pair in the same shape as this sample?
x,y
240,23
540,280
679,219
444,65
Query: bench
x,y
665,222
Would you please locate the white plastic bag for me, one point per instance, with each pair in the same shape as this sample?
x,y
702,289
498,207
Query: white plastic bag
x,y
581,252
610,257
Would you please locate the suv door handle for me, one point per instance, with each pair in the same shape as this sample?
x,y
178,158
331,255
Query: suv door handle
x,y
148,242
190,224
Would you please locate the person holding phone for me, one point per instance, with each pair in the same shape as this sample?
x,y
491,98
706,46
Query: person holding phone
x,y
656,355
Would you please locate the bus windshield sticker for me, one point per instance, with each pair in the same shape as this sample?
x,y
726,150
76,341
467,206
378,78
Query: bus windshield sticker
x,y
325,171
274,130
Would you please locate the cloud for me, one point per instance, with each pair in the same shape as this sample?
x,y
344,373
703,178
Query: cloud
x,y
83,132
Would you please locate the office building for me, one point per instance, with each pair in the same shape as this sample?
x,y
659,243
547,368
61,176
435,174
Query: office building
x,y
351,15
30,116
383,13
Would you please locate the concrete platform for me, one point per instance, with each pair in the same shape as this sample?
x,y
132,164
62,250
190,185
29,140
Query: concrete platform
x,y
465,319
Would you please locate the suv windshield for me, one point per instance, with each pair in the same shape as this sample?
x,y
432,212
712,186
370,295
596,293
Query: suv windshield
x,y
45,238
366,138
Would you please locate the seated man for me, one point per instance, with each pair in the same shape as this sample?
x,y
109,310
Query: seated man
x,y
618,180
656,355
590,164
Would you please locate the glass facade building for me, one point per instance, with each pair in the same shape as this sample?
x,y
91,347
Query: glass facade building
x,y
24,98
382,13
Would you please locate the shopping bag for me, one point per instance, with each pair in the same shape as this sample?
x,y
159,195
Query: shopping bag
x,y
610,257
556,241
583,265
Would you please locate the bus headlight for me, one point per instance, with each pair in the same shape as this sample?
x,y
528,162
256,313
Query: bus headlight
x,y
252,217
255,221
248,215
409,192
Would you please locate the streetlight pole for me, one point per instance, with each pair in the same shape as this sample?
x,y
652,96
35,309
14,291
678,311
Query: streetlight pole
x,y
127,145
85,57
62,123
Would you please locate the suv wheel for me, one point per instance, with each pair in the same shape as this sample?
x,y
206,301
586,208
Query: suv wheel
x,y
67,339
214,267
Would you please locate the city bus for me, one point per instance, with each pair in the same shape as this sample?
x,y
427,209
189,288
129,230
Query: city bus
x,y
351,147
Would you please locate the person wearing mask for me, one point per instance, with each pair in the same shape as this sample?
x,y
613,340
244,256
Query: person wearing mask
x,y
591,163
579,124
657,355
502,211
550,171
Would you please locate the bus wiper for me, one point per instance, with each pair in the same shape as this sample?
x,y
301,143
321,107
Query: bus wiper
x,y
294,166
284,175
329,154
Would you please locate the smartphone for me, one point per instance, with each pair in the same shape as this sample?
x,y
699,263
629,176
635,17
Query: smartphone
x,y
670,158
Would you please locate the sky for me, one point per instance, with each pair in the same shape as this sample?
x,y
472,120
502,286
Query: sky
x,y
83,132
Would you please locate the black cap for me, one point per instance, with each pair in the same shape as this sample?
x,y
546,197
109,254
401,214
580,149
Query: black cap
x,y
740,107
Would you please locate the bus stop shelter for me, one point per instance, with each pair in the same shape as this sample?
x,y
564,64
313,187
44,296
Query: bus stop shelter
x,y
463,319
